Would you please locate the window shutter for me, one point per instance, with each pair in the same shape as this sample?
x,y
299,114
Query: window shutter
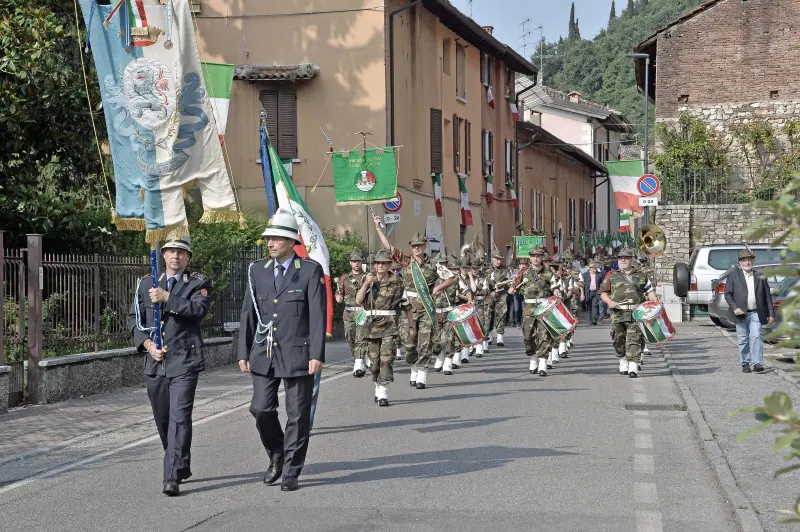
x,y
467,147
269,103
287,120
582,221
491,153
436,141
456,154
483,151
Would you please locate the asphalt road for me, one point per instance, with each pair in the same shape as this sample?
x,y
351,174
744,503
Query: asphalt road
x,y
489,448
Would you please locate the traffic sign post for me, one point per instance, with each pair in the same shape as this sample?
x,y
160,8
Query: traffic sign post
x,y
648,185
394,205
648,202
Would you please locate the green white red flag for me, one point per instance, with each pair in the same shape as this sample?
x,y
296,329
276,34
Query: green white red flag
x,y
219,81
466,212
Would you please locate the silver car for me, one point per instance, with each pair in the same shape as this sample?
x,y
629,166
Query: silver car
x,y
718,309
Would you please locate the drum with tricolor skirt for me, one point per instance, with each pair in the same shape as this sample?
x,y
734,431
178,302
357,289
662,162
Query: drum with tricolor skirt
x,y
465,323
654,322
555,317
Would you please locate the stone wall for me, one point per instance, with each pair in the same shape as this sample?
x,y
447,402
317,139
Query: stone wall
x,y
688,227
72,376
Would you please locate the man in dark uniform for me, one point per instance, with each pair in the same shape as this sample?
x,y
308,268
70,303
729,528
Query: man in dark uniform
x,y
282,336
172,376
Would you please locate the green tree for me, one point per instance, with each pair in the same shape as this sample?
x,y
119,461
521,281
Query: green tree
x,y
572,25
613,15
629,11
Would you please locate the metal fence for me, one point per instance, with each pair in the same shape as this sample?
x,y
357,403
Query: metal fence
x,y
709,186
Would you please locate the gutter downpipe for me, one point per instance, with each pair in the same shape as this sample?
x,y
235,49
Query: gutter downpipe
x,y
391,64
517,149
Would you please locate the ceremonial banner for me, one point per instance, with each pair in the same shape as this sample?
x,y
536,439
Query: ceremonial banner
x,y
422,290
161,127
623,176
219,80
362,177
523,244
312,243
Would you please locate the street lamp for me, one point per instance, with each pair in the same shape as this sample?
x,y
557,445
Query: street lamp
x,y
646,58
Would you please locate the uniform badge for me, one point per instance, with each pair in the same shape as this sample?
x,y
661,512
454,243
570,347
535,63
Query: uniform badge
x,y
204,292
321,280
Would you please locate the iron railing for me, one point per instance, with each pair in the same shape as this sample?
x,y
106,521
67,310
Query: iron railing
x,y
710,186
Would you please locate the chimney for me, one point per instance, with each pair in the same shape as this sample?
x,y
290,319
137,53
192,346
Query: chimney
x,y
488,29
574,97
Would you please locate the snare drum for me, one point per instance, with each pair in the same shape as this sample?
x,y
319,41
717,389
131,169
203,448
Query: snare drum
x,y
654,323
464,320
555,317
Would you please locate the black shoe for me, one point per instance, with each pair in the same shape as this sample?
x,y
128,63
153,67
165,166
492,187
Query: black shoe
x,y
383,402
448,373
171,488
413,384
376,398
438,370
274,472
758,368
542,373
746,369
478,355
594,323
564,356
289,484
549,366
420,386
465,361
501,344
359,373
183,478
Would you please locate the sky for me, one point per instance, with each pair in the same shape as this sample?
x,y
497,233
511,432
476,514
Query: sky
x,y
553,15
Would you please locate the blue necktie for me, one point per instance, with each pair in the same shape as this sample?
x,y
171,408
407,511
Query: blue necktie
x,y
279,277
170,283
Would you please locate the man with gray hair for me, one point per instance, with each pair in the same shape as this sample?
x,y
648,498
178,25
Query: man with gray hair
x,y
747,293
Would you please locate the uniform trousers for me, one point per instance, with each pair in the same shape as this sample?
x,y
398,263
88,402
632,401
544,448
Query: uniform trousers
x,y
534,334
420,346
626,335
381,352
172,400
290,446
495,313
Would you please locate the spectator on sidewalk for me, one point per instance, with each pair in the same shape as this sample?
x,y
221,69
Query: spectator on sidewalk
x,y
591,282
748,294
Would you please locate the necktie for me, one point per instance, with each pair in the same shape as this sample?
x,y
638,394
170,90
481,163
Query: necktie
x,y
279,277
170,283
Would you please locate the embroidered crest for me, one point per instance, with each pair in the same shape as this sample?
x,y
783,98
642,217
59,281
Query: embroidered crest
x,y
150,91
203,292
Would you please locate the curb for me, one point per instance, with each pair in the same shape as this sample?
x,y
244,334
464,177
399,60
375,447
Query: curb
x,y
743,509
143,421
791,379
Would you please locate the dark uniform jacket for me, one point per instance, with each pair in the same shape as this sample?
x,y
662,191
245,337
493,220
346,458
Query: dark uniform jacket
x,y
180,317
298,315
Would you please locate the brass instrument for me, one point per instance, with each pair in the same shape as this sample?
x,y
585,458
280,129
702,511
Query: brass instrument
x,y
652,240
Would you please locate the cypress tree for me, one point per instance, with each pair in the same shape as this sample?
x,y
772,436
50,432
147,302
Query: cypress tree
x,y
571,30
629,10
577,33
613,15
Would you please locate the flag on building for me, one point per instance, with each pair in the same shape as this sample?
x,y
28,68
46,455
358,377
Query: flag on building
x,y
490,96
161,127
437,193
513,192
312,243
625,221
512,103
219,81
624,175
361,177
466,212
489,188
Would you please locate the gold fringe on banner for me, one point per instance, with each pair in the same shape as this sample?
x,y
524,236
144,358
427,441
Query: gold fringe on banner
x,y
242,221
128,224
221,215
180,230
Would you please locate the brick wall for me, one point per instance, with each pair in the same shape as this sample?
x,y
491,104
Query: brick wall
x,y
734,52
688,227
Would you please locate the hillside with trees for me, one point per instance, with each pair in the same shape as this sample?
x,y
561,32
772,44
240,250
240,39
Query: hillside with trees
x,y
600,68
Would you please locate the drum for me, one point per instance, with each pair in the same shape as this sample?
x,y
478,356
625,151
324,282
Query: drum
x,y
654,323
555,317
464,320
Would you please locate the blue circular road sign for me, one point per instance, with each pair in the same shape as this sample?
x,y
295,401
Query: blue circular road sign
x,y
648,185
395,204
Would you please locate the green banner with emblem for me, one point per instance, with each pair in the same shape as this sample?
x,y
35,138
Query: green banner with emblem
x,y
361,177
523,244
422,290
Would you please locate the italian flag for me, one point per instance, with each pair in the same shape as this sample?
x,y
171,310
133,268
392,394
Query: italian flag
x,y
489,188
655,329
138,19
623,176
219,80
510,187
625,221
512,103
559,321
437,193
312,242
490,96
466,212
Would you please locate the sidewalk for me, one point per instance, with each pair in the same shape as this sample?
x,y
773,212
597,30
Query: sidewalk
x,y
32,430
707,358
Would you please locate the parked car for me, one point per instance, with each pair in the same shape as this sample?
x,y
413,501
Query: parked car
x,y
789,286
718,309
693,280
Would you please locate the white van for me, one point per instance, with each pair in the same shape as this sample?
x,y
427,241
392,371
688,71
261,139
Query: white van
x,y
710,262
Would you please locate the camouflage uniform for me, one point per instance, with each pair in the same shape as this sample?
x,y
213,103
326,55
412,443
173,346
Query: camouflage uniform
x,y
628,290
348,287
380,330
451,297
420,347
496,303
479,298
539,285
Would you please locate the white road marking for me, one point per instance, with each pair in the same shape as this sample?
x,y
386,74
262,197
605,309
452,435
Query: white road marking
x,y
645,493
643,464
641,424
648,522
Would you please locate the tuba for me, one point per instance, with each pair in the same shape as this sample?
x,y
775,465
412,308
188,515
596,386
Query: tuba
x,y
652,240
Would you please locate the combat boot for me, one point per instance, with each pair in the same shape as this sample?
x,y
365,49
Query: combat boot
x,y
464,356
376,391
382,395
623,366
543,367
633,369
554,355
500,342
479,350
562,347
422,378
534,364
414,372
447,368
437,366
486,345
358,368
